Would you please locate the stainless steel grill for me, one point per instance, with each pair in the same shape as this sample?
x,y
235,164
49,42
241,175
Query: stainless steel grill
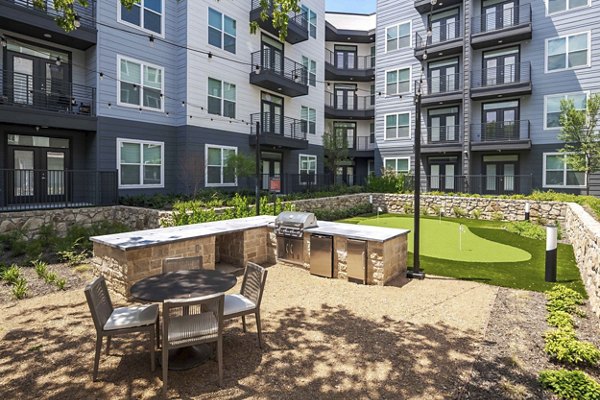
x,y
293,224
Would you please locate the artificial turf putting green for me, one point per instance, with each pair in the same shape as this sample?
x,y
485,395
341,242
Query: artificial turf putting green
x,y
528,274
442,239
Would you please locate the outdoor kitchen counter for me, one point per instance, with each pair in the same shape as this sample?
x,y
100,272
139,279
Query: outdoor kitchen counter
x,y
360,232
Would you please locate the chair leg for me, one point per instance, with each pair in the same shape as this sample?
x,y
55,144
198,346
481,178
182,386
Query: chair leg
x,y
107,345
220,359
97,355
165,368
258,328
152,346
244,323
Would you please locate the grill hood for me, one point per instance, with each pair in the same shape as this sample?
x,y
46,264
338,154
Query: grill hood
x,y
295,219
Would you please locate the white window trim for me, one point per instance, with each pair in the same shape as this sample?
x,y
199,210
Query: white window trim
x,y
308,121
141,85
589,52
308,11
222,97
162,166
308,73
410,134
300,165
410,45
141,26
587,96
217,146
410,80
385,159
223,15
548,13
564,177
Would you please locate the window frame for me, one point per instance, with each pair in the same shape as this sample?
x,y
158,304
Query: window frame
x,y
221,98
565,170
410,39
312,76
567,68
141,26
141,87
308,10
220,147
566,10
409,126
141,143
385,159
222,30
311,156
563,96
307,121
410,84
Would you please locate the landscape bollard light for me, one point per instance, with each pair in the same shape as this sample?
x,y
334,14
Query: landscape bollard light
x,y
551,249
527,209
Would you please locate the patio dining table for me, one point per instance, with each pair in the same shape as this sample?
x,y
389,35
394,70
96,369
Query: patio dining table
x,y
181,285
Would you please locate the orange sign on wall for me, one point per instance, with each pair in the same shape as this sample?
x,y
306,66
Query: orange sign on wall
x,y
275,184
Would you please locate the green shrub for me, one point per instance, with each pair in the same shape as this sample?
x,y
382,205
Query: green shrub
x,y
562,298
459,212
562,345
526,229
334,215
41,268
408,208
476,213
388,182
560,319
19,289
12,274
497,216
570,385
60,283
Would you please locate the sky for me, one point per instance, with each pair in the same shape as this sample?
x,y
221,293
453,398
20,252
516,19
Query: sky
x,y
355,6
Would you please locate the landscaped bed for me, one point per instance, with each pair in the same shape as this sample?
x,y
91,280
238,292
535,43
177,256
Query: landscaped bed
x,y
487,253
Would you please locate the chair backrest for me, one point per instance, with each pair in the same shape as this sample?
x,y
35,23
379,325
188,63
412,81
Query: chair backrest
x,y
99,302
253,284
181,263
195,306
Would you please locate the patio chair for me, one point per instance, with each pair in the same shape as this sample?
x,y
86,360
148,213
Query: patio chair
x,y
181,263
110,321
250,297
192,329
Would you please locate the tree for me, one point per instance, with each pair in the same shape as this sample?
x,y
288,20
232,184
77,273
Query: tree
x,y
335,145
244,166
278,10
581,137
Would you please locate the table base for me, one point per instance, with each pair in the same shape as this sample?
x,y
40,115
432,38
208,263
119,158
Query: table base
x,y
188,357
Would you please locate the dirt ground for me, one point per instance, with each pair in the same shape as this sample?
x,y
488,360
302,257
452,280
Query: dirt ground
x,y
322,339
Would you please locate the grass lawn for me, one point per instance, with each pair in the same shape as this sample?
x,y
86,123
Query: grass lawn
x,y
489,253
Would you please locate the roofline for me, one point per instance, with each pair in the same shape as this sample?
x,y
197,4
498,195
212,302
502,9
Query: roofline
x,y
351,13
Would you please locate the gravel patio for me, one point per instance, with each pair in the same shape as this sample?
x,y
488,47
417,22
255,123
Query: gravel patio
x,y
323,339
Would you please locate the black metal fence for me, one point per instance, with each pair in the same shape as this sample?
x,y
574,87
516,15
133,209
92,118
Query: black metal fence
x,y
444,134
300,19
501,19
507,74
442,84
277,124
501,131
272,60
29,189
349,102
473,184
439,34
86,15
343,61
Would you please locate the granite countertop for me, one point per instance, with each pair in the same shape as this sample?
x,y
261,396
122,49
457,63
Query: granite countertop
x,y
360,232
150,237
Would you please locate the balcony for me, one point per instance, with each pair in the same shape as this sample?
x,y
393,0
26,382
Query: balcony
x,y
503,135
442,139
20,16
46,102
362,147
512,25
349,107
297,24
445,89
445,40
424,6
271,71
501,81
278,131
361,69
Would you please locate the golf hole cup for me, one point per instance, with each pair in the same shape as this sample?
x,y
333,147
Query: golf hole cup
x,y
551,249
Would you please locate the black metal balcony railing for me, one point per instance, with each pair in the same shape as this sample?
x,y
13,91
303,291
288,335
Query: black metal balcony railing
x,y
442,84
40,93
272,61
479,184
503,131
444,134
85,15
343,61
349,102
439,34
40,189
363,143
502,75
507,18
300,19
276,124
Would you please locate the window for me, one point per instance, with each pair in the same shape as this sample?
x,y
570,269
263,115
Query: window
x,y
217,171
221,98
307,168
567,52
311,16
141,84
552,107
308,116
311,68
398,164
558,172
555,6
140,163
221,31
398,36
146,14
397,81
397,126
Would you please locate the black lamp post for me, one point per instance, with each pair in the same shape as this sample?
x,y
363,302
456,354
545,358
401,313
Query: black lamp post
x,y
257,186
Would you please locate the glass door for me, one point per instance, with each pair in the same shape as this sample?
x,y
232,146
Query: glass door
x,y
501,121
444,26
345,96
500,175
499,14
346,130
345,57
442,123
442,174
272,54
443,76
501,67
272,114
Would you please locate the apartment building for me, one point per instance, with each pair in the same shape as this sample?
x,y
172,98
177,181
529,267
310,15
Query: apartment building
x,y
491,74
350,91
155,99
